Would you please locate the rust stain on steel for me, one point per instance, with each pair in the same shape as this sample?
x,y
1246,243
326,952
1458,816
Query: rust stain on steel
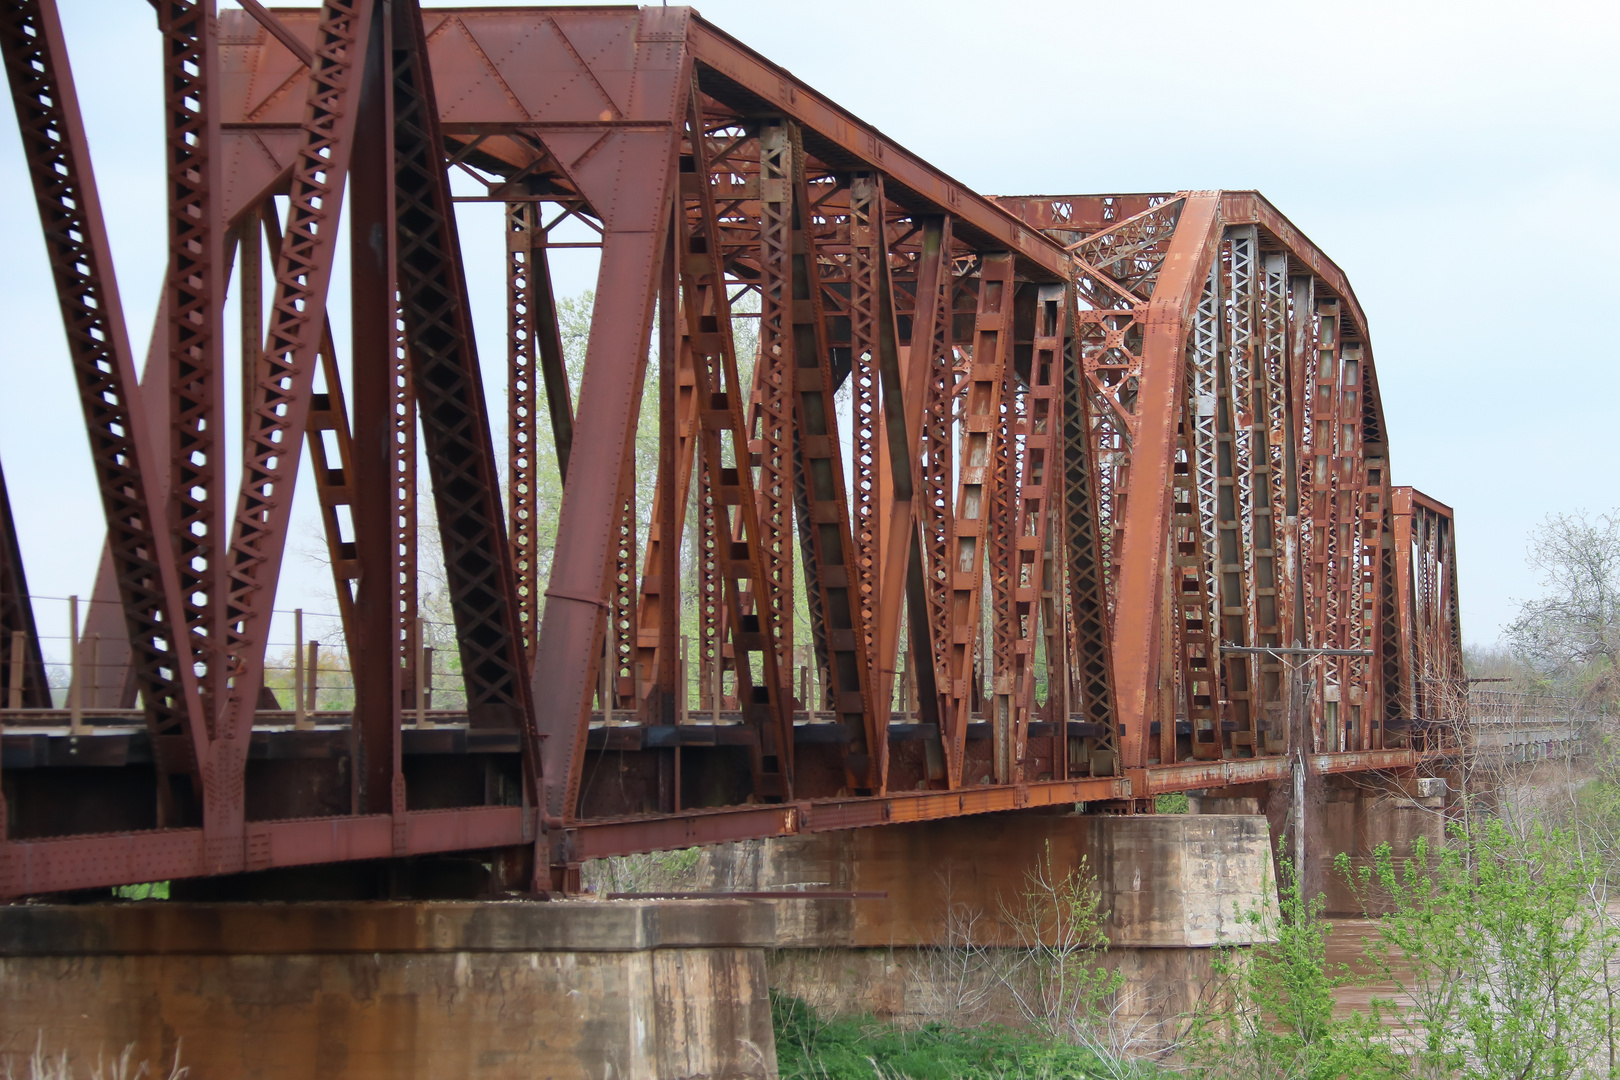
x,y
1137,640
1189,370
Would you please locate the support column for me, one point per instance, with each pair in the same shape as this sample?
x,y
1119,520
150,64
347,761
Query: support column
x,y
992,349
1173,887
374,646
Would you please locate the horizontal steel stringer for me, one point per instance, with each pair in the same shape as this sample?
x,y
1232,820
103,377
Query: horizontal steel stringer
x,y
127,470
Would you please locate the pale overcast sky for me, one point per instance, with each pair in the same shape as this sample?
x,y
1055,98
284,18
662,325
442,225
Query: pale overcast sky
x,y
1458,160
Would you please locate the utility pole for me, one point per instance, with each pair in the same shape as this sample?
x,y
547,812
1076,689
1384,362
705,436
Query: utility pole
x,y
1298,694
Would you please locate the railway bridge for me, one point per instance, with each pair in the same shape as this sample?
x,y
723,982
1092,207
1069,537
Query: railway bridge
x,y
867,500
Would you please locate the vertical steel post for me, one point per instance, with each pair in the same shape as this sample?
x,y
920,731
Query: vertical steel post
x,y
403,446
375,648
763,702
14,696
423,671
772,427
669,676
299,713
75,685
312,676
937,486
991,357
1031,586
250,300
282,400
522,397
833,573
866,262
658,609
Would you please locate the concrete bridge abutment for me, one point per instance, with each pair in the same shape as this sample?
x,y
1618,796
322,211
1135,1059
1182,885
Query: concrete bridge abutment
x,y
388,991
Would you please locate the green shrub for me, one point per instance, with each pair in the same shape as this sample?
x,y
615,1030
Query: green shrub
x,y
862,1048
1171,802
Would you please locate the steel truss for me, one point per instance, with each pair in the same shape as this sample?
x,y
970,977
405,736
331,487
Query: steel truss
x,y
1050,469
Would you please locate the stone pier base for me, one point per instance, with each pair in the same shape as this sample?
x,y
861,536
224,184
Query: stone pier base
x,y
934,946
1357,817
390,991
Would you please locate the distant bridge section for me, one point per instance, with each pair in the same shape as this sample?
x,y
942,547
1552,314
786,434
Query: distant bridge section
x,y
1523,727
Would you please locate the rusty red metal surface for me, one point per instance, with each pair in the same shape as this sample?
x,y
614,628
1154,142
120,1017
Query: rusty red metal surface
x,y
1054,471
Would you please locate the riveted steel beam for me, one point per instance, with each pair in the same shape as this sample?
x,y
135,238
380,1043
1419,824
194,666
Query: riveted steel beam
x,y
283,398
127,473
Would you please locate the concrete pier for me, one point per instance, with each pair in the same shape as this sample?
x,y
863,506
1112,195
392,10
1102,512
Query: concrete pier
x,y
389,991
1349,814
1173,887
1358,816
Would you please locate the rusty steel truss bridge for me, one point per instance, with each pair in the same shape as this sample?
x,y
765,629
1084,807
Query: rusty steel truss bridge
x,y
1085,498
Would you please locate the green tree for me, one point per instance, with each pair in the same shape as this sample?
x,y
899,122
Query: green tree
x,y
1496,953
1270,1014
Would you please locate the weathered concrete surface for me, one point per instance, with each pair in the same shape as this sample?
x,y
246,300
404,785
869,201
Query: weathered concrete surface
x,y
1356,817
1166,880
945,945
1347,815
914,986
362,991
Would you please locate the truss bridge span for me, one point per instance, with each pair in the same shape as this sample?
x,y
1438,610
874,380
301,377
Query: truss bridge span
x,y
866,498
